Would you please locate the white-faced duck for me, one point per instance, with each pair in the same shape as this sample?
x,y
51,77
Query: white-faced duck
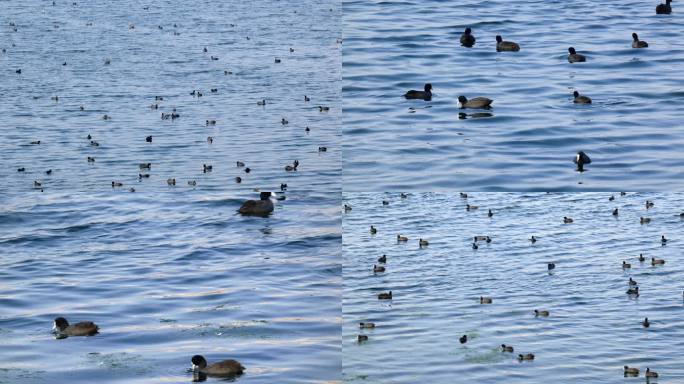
x,y
664,9
502,45
171,181
580,99
631,371
262,102
644,220
506,348
62,328
528,357
366,325
467,38
116,184
385,296
261,207
373,230
485,300
580,160
471,207
148,139
533,239
567,220
539,313
378,269
615,212
575,57
646,323
636,43
423,243
426,94
463,339
626,265
224,368
633,291
655,261
382,259
649,373
401,238
362,338
641,257
207,168
474,103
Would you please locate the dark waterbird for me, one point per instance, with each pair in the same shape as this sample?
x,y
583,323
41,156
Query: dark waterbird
x,y
426,94
467,39
664,9
575,57
502,45
636,43
261,207
224,368
581,159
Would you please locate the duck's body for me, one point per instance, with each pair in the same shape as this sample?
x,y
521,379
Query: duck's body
x,y
502,45
567,220
221,368
463,339
615,212
373,230
423,243
378,269
533,239
581,99
541,313
636,43
626,264
84,328
581,159
385,296
575,57
382,259
641,257
467,39
471,207
551,266
401,238
367,325
261,207
361,338
664,9
655,261
649,373
646,323
631,371
425,94
506,348
633,291
474,103
528,356
485,300
644,220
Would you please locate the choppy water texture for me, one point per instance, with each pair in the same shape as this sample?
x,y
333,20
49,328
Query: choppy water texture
x,y
168,272
632,131
594,328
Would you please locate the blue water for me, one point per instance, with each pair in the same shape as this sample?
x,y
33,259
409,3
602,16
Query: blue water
x,y
169,272
632,131
594,328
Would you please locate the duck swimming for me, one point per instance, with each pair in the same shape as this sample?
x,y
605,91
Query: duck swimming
x,y
422,243
385,296
382,259
361,338
84,328
529,356
506,348
426,94
636,43
467,39
580,99
533,239
506,45
641,257
367,325
646,323
644,220
475,103
655,261
377,269
471,207
567,220
664,9
261,207
221,368
631,371
575,57
633,291
463,339
541,313
171,181
626,264
580,159
373,230
485,300
401,238
650,373
615,212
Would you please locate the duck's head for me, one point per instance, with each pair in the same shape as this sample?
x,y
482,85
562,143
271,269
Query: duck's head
x,y
576,94
60,324
265,195
498,38
635,36
428,87
198,362
467,31
571,50
462,99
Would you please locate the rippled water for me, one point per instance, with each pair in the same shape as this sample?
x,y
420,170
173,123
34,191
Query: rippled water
x,y
168,272
594,328
632,131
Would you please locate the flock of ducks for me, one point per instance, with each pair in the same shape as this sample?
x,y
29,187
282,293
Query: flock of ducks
x,y
468,40
632,290
261,207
